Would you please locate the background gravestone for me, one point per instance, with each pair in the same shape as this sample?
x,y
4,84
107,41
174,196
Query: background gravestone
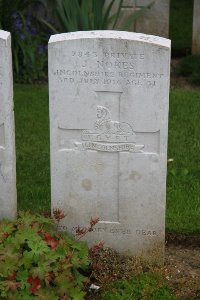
x,y
8,201
108,120
196,28
155,20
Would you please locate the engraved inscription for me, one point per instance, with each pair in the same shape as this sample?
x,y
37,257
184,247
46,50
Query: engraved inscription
x,y
106,54
126,77
109,68
113,230
109,148
146,232
119,65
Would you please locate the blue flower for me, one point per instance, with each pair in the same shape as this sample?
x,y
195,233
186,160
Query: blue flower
x,y
21,35
17,22
42,49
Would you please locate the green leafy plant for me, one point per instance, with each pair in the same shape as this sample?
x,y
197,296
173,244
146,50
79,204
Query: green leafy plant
x,y
38,262
147,286
92,14
189,67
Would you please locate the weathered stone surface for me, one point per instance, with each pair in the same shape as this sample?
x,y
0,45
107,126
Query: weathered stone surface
x,y
108,120
154,21
196,28
8,201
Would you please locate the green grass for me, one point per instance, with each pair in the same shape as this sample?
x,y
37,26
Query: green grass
x,y
32,145
180,28
183,189
146,286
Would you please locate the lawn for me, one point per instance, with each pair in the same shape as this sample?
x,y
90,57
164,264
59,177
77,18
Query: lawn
x,y
183,187
32,145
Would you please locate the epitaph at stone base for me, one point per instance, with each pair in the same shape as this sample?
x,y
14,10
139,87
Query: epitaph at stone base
x,y
8,195
108,120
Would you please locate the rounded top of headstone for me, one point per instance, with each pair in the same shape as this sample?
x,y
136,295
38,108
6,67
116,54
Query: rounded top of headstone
x,y
111,34
4,35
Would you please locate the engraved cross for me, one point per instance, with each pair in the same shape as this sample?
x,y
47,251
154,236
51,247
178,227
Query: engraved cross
x,y
96,152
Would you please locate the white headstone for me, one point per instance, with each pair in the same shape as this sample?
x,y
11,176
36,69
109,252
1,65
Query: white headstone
x,y
155,20
8,201
196,28
108,120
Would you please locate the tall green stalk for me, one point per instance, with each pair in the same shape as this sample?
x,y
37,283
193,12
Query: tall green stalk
x,y
79,15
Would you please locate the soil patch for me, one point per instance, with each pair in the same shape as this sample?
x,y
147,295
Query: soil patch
x,y
181,269
182,262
